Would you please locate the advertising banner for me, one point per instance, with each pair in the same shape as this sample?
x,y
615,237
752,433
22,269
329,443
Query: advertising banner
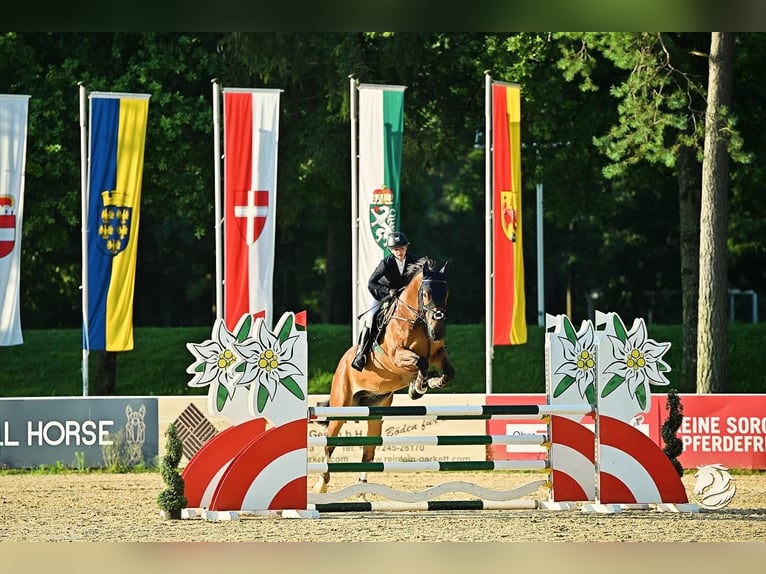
x,y
725,429
78,432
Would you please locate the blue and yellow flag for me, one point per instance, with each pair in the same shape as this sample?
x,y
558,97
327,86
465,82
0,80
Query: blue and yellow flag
x,y
116,155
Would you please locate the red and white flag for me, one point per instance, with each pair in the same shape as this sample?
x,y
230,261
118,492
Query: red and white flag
x,y
13,148
251,137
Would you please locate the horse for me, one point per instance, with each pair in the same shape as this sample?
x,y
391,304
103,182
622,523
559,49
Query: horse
x,y
408,337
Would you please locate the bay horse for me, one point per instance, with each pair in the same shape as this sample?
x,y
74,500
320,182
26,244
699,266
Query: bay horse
x,y
408,337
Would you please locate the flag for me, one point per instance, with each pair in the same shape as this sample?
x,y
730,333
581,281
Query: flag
x,y
509,320
251,138
13,146
381,128
116,157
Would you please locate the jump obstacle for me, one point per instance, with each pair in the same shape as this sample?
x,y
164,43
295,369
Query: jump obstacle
x,y
249,469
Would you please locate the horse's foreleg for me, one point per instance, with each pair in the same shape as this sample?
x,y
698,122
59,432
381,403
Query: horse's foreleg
x,y
333,429
442,360
419,385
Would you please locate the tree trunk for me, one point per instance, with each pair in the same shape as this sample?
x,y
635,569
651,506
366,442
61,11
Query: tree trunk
x,y
712,336
689,183
106,374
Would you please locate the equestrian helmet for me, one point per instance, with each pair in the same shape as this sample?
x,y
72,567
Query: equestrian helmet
x,y
397,239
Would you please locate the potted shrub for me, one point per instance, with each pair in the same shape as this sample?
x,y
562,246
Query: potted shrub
x,y
673,445
172,500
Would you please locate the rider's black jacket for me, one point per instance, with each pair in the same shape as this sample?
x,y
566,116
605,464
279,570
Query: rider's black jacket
x,y
386,279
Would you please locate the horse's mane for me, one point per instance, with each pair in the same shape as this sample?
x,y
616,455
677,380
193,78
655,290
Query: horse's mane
x,y
417,267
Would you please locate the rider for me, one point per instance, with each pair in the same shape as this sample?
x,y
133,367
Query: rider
x,y
387,278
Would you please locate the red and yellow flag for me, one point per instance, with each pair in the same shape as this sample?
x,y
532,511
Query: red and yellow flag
x,y
508,302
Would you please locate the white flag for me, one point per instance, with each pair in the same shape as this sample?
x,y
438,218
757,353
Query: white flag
x,y
381,126
13,146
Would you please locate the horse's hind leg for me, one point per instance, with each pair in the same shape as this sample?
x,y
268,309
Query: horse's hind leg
x,y
333,429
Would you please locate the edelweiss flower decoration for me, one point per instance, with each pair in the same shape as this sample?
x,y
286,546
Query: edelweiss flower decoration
x,y
259,363
638,360
268,363
216,361
579,364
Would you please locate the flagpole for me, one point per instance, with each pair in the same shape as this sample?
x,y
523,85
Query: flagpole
x,y
353,83
84,246
217,199
488,312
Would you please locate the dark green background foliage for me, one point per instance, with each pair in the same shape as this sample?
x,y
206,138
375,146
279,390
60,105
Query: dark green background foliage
x,y
48,363
604,116
610,187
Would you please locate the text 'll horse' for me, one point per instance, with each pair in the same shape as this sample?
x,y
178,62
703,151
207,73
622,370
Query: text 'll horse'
x,y
410,341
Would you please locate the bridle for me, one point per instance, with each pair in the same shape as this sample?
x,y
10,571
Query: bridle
x,y
421,313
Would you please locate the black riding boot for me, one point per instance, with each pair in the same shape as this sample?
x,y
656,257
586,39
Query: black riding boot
x,y
361,351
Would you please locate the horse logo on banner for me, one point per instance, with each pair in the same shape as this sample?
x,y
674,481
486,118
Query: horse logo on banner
x,y
114,222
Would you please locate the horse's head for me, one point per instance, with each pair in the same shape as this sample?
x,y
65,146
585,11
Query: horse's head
x,y
432,300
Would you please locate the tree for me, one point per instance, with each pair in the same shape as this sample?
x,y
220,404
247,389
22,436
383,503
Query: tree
x,y
712,336
661,105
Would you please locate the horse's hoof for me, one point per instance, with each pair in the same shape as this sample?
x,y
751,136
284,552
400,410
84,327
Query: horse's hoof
x,y
436,383
320,487
414,395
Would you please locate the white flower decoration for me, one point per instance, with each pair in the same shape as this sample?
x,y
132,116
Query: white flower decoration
x,y
216,360
267,359
579,364
638,360
260,364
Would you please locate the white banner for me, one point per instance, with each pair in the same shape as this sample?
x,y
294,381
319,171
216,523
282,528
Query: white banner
x,y
13,146
380,147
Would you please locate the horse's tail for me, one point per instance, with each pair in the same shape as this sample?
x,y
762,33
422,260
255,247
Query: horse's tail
x,y
323,422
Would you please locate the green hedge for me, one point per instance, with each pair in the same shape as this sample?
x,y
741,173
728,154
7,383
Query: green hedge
x,y
49,362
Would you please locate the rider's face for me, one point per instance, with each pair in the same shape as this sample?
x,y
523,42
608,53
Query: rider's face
x,y
399,252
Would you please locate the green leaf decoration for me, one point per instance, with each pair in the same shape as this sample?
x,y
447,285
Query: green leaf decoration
x,y
619,329
199,368
284,332
263,396
240,367
612,385
590,394
220,398
662,367
641,396
565,382
244,330
293,387
569,330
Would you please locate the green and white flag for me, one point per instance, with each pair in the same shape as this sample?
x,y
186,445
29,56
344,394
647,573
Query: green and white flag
x,y
381,127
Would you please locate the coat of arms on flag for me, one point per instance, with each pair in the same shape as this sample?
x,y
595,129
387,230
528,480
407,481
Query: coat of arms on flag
x,y
509,219
251,209
7,225
382,215
114,222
